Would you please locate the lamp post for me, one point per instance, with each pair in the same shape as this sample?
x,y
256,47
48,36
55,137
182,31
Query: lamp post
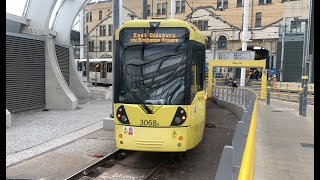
x,y
305,63
88,63
213,48
244,39
172,9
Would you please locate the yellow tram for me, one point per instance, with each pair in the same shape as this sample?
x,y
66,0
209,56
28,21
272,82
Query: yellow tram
x,y
159,98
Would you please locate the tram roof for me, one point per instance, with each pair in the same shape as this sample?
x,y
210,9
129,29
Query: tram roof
x,y
195,33
95,60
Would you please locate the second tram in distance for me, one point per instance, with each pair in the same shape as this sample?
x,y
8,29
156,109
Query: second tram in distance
x,y
159,95
100,70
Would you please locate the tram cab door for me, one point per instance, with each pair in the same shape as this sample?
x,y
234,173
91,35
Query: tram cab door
x,y
103,70
84,68
109,72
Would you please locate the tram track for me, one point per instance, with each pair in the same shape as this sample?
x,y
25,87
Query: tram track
x,y
117,166
92,167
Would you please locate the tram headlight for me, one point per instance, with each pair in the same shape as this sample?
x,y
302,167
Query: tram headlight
x,y
179,118
122,116
154,24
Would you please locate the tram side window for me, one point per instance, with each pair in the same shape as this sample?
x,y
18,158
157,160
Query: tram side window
x,y
198,61
94,67
84,73
201,67
193,75
109,67
79,66
103,70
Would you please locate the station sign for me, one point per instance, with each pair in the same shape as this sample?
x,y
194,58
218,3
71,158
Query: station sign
x,y
236,55
134,36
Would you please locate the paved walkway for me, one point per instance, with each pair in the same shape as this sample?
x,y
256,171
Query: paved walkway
x,y
284,142
36,133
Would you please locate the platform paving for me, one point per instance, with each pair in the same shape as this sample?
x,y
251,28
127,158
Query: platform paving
x,y
284,142
64,161
35,133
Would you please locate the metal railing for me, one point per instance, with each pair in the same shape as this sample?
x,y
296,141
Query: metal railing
x,y
289,93
237,160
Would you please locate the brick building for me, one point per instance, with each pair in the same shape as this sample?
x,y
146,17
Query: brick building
x,y
220,21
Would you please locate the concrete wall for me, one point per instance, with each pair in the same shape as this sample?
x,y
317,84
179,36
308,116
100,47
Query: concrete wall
x,y
39,12
58,95
75,81
64,21
8,118
12,26
235,109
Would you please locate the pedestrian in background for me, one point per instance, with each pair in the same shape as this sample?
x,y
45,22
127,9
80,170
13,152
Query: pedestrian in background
x,y
260,74
256,74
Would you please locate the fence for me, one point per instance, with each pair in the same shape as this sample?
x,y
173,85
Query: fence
x,y
237,160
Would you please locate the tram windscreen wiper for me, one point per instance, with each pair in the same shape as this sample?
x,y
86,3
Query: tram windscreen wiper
x,y
141,103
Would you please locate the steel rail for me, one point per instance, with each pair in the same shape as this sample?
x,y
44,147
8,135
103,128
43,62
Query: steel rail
x,y
97,164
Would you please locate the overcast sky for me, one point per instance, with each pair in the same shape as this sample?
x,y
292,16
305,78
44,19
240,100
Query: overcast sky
x,y
16,7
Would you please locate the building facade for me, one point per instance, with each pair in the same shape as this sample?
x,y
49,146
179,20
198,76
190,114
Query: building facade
x,y
220,21
98,24
293,25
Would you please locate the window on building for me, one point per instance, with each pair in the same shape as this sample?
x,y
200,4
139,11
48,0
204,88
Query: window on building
x,y
239,3
258,19
87,31
102,46
205,25
104,30
219,4
109,30
195,23
164,8
225,4
183,6
222,42
90,16
158,8
91,46
268,1
100,31
109,46
100,15
87,17
177,6
208,42
201,24
295,27
148,10
261,2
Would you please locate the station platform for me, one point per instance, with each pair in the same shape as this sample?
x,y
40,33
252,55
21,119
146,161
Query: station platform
x,y
58,139
36,132
284,147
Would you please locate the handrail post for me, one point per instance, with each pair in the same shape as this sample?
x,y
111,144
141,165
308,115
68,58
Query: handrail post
x,y
239,92
222,94
232,95
242,98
